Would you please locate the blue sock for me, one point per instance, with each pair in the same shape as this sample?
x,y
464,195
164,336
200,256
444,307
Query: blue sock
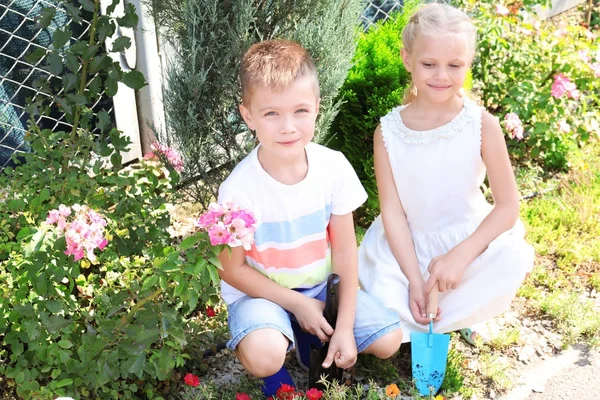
x,y
274,382
304,341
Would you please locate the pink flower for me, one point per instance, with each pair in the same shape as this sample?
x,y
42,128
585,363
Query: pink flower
x,y
171,155
514,126
191,380
228,224
563,85
596,68
242,396
502,10
218,234
84,232
563,126
584,56
207,219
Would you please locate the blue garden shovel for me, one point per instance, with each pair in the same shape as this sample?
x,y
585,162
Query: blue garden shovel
x,y
429,353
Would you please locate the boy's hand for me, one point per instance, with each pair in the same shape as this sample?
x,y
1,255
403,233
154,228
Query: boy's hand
x,y
309,315
447,270
342,349
418,303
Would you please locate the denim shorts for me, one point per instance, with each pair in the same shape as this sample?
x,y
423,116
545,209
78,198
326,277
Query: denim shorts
x,y
248,314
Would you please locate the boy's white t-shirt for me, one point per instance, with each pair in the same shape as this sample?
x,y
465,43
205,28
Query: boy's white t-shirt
x,y
291,245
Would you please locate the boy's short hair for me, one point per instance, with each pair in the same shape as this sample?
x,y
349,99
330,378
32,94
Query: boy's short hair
x,y
275,64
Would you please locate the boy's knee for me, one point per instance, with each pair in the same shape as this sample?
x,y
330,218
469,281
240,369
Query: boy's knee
x,y
386,346
263,352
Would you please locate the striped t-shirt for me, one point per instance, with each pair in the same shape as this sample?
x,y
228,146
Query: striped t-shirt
x,y
291,245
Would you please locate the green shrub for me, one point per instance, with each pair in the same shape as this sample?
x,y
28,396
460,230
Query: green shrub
x,y
111,326
202,95
519,59
374,85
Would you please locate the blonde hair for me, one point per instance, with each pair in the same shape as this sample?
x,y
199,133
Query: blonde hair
x,y
275,64
437,20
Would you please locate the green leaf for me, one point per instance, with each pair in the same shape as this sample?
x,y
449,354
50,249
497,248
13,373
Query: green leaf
x,y
45,18
103,120
137,367
54,306
189,242
110,85
88,5
193,301
65,344
61,37
78,99
134,79
214,275
64,382
55,63
121,44
130,19
36,55
90,51
73,12
150,282
72,62
69,81
99,62
112,6
55,373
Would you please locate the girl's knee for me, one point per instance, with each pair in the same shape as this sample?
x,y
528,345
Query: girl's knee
x,y
262,352
386,346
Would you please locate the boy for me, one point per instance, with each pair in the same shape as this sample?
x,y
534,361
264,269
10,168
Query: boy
x,y
302,195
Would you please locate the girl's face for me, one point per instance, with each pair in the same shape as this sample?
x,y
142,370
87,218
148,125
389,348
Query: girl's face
x,y
438,65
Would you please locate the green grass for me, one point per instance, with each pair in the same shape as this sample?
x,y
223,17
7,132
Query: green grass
x,y
564,228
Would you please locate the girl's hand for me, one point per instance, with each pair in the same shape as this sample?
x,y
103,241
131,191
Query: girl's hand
x,y
446,270
418,303
309,315
342,349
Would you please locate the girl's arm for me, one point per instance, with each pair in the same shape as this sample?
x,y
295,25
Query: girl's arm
x,y
397,231
395,224
502,217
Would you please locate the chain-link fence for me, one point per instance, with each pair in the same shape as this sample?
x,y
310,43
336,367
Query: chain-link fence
x,y
20,36
379,10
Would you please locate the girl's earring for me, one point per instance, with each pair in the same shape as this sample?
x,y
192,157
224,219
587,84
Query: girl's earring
x,y
414,91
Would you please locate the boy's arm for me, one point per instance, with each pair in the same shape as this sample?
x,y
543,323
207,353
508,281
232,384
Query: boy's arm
x,y
344,260
342,349
308,311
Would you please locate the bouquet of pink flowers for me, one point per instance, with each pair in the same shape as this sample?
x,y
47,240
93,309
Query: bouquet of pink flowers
x,y
83,231
228,224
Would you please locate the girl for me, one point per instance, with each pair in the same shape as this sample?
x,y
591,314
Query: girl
x,y
431,155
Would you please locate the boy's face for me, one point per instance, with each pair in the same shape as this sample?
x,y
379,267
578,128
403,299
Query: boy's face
x,y
284,120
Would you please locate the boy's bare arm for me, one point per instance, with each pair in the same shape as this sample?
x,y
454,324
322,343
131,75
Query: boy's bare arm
x,y
308,311
342,348
344,259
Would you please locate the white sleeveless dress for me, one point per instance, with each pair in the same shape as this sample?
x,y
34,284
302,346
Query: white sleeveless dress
x,y
438,175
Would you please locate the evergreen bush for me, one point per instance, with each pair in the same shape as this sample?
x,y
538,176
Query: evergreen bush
x,y
375,84
203,92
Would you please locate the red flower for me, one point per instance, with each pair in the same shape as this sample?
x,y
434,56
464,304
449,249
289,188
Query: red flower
x,y
242,396
287,392
191,379
210,311
314,394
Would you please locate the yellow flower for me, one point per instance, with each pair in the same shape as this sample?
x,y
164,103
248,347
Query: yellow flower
x,y
392,390
439,397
